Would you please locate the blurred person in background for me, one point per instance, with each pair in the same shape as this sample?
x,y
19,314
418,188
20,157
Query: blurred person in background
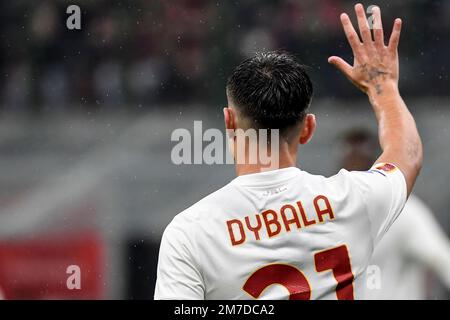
x,y
414,245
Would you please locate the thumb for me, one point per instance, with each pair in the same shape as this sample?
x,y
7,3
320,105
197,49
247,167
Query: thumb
x,y
341,65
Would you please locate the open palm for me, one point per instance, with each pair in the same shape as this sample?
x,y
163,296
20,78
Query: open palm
x,y
374,63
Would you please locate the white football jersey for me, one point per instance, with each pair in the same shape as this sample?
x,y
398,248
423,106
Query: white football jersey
x,y
282,234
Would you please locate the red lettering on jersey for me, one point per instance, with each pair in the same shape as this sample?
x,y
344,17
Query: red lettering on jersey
x,y
256,229
338,261
327,210
305,220
294,218
271,222
230,223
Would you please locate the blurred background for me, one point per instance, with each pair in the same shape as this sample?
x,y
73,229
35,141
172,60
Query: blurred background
x,y
86,118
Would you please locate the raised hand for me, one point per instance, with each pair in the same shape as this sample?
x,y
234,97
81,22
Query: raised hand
x,y
375,65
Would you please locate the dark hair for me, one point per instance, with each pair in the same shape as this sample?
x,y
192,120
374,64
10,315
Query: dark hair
x,y
271,89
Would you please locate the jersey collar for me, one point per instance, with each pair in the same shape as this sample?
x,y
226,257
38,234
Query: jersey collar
x,y
268,177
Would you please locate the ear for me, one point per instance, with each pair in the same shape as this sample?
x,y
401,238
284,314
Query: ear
x,y
229,116
309,127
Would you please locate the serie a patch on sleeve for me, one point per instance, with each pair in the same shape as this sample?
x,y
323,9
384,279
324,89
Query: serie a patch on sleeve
x,y
384,168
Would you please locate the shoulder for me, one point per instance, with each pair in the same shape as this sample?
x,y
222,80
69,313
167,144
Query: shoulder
x,y
340,177
339,183
377,179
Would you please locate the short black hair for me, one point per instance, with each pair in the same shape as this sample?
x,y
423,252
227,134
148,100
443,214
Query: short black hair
x,y
271,89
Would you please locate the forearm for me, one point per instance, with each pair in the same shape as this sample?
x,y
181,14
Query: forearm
x,y
399,138
375,71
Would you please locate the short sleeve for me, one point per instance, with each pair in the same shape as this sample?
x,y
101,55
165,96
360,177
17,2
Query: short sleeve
x,y
178,277
384,192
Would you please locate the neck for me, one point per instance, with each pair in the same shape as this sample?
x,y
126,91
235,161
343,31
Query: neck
x,y
286,158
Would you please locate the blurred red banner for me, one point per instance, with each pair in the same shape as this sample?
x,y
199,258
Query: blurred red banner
x,y
40,268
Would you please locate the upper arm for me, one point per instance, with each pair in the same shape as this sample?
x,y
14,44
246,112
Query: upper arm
x,y
178,277
384,192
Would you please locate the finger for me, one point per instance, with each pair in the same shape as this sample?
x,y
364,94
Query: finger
x,y
341,65
362,23
350,33
395,36
377,26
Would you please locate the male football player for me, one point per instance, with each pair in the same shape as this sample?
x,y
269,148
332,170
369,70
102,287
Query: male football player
x,y
285,233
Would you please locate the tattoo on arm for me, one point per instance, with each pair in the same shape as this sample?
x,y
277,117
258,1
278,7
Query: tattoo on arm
x,y
374,74
378,89
412,149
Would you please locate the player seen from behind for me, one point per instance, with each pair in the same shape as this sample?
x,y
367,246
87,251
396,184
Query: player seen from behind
x,y
285,233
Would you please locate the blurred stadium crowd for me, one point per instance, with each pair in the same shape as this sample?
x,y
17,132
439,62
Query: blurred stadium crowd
x,y
86,118
141,52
